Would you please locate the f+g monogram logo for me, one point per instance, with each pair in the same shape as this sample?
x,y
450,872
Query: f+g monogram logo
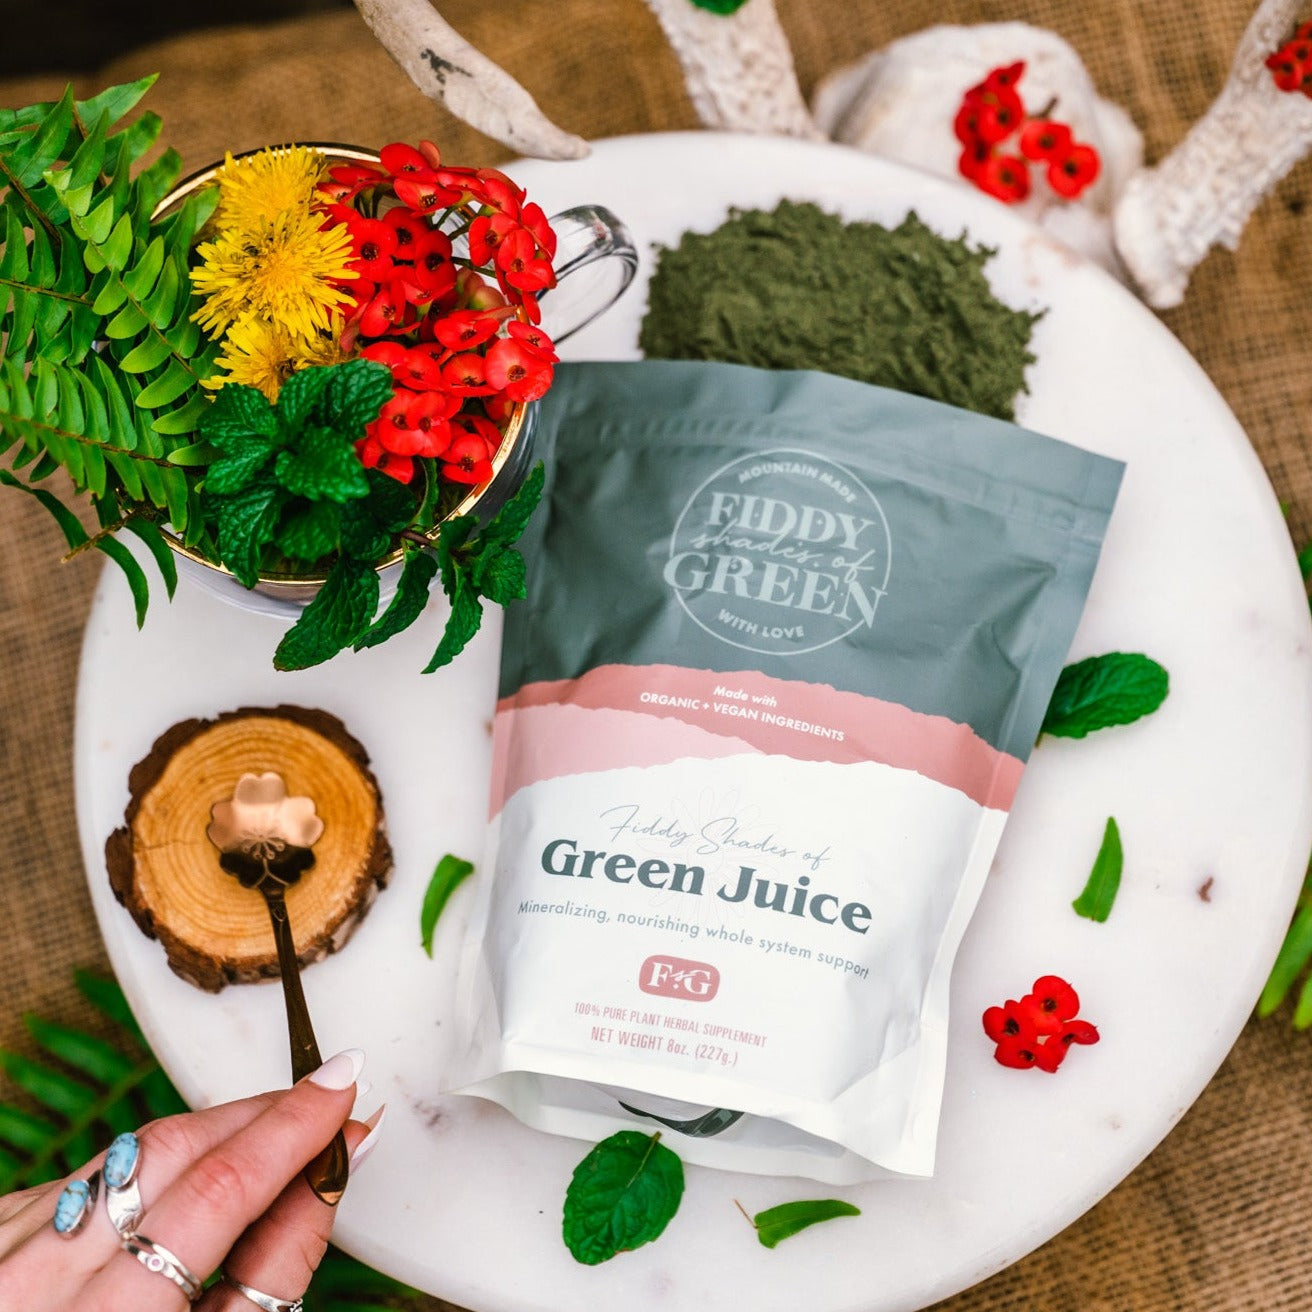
x,y
675,977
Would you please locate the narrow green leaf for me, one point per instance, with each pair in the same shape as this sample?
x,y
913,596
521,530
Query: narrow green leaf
x,y
149,533
47,143
170,385
1095,902
92,1057
1101,691
341,610
1293,958
1305,562
622,1195
407,603
194,456
56,1091
183,421
451,872
149,353
109,292
115,102
161,305
106,994
29,1134
95,228
74,534
118,246
139,279
778,1223
136,576
1303,1007
159,1095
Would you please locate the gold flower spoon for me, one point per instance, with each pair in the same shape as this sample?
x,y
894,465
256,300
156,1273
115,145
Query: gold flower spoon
x,y
264,838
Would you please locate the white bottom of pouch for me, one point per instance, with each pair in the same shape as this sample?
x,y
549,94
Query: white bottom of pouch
x,y
650,966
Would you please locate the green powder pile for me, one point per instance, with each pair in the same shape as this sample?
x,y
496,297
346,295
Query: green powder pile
x,y
797,288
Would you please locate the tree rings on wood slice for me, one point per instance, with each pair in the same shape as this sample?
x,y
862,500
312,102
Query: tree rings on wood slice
x,y
165,871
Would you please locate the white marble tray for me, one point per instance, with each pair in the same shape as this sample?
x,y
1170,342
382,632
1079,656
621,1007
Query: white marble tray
x,y
1217,786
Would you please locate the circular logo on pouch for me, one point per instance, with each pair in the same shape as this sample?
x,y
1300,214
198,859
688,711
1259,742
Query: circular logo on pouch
x,y
781,552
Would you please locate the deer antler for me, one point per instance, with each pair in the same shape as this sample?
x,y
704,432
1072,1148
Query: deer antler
x,y
447,69
739,67
1203,192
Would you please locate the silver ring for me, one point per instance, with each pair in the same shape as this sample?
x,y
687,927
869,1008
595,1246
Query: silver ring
x,y
155,1257
265,1301
122,1194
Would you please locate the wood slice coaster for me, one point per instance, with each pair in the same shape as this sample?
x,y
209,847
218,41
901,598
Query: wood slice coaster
x,y
166,872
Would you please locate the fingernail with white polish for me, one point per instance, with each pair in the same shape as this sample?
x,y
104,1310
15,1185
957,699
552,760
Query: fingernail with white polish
x,y
363,1088
370,1141
339,1072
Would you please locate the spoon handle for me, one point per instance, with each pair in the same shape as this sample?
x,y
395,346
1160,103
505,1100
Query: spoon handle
x,y
327,1174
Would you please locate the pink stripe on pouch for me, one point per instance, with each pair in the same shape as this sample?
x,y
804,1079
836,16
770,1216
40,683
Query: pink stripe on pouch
x,y
809,722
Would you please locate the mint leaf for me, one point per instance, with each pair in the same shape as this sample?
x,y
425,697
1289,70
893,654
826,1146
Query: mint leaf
x,y
501,575
301,393
1095,902
408,603
1100,691
246,521
778,1223
323,467
312,532
370,524
341,610
237,467
451,872
238,411
356,392
464,621
511,520
622,1195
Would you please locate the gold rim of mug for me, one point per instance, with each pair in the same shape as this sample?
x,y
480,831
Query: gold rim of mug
x,y
510,434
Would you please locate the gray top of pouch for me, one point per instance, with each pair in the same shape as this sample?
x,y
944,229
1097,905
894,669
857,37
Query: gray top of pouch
x,y
811,527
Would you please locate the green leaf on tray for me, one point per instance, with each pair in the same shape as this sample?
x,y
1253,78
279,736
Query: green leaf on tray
x,y
1095,902
720,6
1100,691
408,602
778,1223
451,872
622,1195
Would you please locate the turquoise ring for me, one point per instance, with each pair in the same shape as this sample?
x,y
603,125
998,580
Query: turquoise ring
x,y
122,1194
74,1205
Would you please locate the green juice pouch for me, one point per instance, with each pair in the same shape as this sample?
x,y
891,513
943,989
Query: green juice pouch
x,y
787,644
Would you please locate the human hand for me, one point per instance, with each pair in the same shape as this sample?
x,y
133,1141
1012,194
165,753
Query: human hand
x,y
222,1185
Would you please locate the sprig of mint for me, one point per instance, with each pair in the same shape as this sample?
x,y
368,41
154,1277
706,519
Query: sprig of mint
x,y
776,1224
482,563
1095,901
451,872
1100,691
622,1195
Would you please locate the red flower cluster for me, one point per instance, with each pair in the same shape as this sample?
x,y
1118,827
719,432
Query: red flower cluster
x,y
991,115
1040,1028
450,264
1291,65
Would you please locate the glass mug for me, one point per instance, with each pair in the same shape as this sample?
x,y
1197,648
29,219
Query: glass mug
x,y
595,261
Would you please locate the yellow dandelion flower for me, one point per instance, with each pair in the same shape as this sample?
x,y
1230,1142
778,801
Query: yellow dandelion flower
x,y
273,181
265,355
287,271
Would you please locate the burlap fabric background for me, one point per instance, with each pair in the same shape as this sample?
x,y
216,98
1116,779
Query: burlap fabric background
x,y
1217,1217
